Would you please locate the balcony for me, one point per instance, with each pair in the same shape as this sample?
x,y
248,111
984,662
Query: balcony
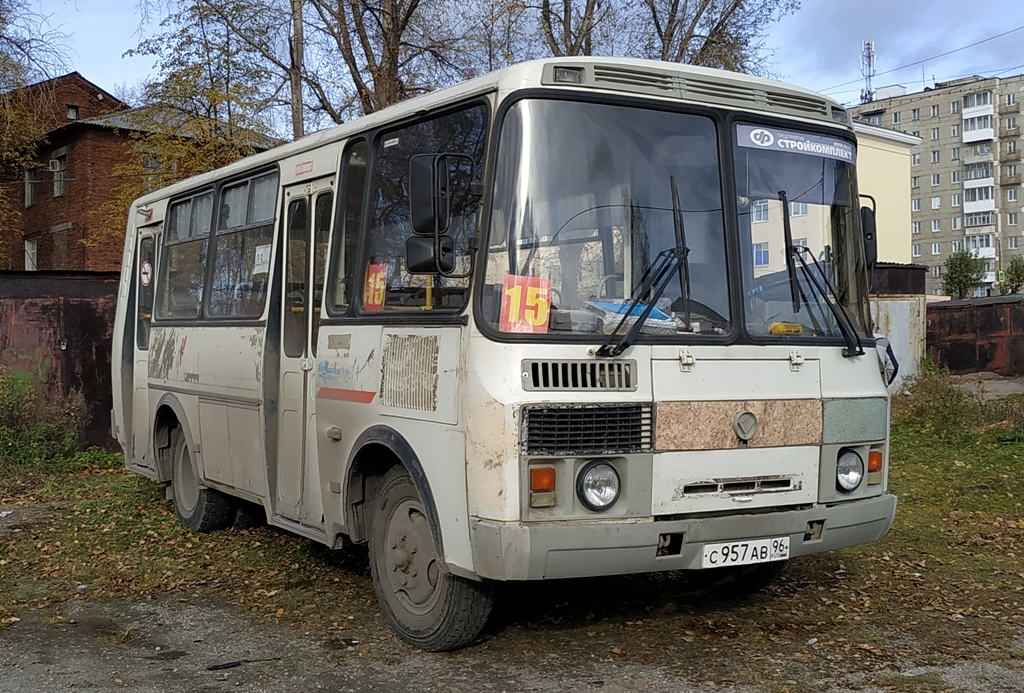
x,y
977,158
979,135
1009,110
1010,181
1009,157
1009,132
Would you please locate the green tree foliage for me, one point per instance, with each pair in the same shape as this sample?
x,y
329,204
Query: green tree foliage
x,y
963,272
203,112
1014,281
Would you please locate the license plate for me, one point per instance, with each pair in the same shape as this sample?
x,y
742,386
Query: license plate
x,y
745,552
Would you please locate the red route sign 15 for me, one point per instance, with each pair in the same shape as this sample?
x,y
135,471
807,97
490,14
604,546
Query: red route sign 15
x,y
525,304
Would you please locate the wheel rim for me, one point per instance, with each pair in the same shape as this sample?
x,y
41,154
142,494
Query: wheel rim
x,y
186,490
410,561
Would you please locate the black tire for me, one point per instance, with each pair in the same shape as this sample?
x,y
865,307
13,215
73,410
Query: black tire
x,y
199,508
249,515
737,581
427,607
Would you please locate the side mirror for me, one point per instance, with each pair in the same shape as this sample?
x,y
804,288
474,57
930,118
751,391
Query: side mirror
x,y
430,255
867,225
428,193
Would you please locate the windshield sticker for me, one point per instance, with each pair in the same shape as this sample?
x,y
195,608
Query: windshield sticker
x,y
525,304
375,291
756,137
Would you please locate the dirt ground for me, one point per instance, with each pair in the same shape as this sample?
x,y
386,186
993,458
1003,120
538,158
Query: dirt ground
x,y
989,385
167,645
177,644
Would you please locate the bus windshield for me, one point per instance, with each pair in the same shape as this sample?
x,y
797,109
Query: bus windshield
x,y
807,181
586,198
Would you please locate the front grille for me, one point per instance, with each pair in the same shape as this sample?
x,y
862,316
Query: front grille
x,y
742,486
598,429
614,376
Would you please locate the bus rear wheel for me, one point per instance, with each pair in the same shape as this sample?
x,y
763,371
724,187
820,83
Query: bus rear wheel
x,y
199,508
426,606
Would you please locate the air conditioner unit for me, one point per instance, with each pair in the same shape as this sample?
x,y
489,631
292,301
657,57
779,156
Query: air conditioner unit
x,y
56,165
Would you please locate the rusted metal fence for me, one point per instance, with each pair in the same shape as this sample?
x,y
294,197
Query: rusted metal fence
x,y
55,329
978,334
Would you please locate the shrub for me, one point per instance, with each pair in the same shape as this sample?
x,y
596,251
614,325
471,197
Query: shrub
x,y
36,427
931,401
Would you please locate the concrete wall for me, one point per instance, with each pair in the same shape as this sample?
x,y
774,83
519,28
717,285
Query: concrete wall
x,y
55,330
883,171
971,336
901,318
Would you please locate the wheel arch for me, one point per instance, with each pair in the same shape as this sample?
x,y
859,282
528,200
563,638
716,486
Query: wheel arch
x,y
376,450
169,414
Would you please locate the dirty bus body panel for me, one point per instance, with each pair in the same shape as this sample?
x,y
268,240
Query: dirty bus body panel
x,y
574,318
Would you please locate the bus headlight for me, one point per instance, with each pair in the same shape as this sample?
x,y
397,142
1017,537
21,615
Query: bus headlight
x,y
597,485
849,471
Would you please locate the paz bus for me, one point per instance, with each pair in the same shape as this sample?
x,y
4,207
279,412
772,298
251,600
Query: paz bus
x,y
577,317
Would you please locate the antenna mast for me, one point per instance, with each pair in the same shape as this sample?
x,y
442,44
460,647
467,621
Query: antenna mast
x,y
867,68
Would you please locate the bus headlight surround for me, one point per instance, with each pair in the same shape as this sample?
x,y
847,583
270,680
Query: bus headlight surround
x,y
849,471
598,485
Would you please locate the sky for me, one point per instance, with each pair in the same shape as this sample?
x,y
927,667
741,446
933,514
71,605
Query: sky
x,y
816,47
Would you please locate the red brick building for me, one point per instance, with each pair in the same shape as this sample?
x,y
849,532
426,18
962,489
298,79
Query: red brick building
x,y
74,178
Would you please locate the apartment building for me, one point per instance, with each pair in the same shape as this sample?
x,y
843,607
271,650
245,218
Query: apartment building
x,y
965,174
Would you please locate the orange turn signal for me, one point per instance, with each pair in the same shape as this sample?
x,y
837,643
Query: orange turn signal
x,y
542,478
875,461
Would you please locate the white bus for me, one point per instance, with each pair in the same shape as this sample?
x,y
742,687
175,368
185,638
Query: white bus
x,y
577,317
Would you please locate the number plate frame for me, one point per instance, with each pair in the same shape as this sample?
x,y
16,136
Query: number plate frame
x,y
747,552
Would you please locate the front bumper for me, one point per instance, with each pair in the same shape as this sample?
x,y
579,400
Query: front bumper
x,y
548,550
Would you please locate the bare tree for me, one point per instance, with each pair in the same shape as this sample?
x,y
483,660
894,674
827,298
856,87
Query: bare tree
x,y
570,27
712,33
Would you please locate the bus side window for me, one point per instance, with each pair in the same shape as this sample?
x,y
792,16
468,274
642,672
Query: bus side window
x,y
245,231
460,132
145,301
347,223
183,260
321,233
294,336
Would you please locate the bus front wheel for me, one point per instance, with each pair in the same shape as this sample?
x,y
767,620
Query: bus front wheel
x,y
199,508
426,606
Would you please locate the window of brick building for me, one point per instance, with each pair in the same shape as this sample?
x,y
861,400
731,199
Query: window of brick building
x,y
72,112
31,251
30,189
59,168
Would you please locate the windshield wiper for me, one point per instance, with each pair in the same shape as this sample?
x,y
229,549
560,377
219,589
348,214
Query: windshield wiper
x,y
793,256
656,278
684,266
853,346
787,230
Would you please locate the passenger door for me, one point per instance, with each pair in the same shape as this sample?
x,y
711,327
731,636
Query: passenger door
x,y
140,425
306,231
